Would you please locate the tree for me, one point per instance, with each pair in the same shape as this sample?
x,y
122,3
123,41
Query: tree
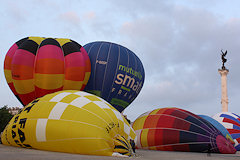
x,y
5,117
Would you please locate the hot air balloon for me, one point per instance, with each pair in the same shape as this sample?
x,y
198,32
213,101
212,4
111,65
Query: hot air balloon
x,y
36,66
231,122
174,129
73,122
117,74
219,126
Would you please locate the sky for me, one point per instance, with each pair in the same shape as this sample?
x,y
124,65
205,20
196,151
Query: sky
x,y
178,41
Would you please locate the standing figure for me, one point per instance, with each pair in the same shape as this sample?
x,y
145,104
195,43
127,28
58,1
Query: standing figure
x,y
224,60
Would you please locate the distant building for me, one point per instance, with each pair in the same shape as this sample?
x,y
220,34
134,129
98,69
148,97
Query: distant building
x,y
14,110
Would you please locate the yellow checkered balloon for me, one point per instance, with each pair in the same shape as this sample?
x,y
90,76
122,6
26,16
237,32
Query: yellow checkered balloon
x,y
73,122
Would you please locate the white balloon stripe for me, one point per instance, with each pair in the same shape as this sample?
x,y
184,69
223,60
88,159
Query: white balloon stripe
x,y
41,130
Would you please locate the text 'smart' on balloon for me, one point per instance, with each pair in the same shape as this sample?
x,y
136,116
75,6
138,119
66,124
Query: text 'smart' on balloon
x,y
36,66
117,73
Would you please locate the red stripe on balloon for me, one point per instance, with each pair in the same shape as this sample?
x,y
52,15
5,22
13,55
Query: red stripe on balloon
x,y
27,98
74,60
181,147
21,72
160,111
170,137
9,56
87,60
75,73
232,131
151,121
189,113
41,92
158,137
178,124
11,86
12,50
179,114
49,60
238,140
165,121
49,66
23,57
50,52
7,63
151,137
169,111
167,148
85,54
83,86
231,121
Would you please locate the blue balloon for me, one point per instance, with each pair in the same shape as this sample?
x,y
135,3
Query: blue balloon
x,y
117,74
219,126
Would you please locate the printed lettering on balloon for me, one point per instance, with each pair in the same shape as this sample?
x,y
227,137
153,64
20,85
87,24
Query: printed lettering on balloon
x,y
111,125
21,135
22,122
32,104
130,81
16,119
18,126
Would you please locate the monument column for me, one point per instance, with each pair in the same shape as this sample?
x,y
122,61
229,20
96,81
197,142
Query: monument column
x,y
223,72
224,100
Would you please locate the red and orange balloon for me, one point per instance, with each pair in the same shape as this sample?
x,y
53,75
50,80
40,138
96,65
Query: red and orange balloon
x,y
175,129
36,66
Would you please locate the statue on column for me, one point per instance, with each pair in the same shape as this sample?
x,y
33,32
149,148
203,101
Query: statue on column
x,y
224,60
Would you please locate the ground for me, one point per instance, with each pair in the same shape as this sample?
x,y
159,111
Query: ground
x,y
17,153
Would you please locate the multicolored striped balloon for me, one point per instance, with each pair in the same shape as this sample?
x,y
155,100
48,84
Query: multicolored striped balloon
x,y
174,129
231,122
36,66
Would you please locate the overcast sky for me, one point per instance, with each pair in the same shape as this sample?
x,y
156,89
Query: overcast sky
x,y
178,41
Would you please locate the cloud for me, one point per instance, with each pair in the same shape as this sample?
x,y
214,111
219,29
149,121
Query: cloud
x,y
15,12
71,18
90,15
179,43
181,54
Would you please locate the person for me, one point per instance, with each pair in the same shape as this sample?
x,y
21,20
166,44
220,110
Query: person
x,y
125,116
209,150
132,143
0,138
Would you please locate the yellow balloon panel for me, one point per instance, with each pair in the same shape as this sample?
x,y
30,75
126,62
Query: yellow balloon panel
x,y
70,121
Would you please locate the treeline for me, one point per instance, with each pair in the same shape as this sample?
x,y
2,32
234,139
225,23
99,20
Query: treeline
x,y
5,117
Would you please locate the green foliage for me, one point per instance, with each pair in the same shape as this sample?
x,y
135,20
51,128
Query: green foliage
x,y
5,117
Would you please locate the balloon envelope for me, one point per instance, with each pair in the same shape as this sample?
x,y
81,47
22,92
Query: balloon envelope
x,y
231,122
36,66
173,129
73,122
117,73
219,126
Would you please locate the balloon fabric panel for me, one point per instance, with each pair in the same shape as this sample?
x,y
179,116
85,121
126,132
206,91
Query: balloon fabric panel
x,y
73,122
117,73
7,65
231,122
219,126
36,66
173,129
22,68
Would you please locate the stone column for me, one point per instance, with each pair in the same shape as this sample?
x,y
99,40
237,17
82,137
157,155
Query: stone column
x,y
224,100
